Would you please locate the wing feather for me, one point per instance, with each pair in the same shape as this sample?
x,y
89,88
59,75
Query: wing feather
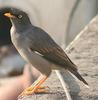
x,y
49,49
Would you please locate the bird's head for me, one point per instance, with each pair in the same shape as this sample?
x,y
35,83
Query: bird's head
x,y
18,18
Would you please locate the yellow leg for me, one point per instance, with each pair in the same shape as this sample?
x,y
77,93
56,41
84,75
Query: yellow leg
x,y
36,87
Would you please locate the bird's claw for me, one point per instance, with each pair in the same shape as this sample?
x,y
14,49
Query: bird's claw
x,y
30,91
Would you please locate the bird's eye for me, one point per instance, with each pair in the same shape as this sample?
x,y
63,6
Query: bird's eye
x,y
19,16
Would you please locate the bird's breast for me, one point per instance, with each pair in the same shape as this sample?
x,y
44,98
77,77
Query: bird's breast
x,y
18,39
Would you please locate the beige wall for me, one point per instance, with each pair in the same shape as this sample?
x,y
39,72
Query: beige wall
x,y
86,10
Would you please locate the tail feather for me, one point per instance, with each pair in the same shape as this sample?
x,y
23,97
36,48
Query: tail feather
x,y
76,73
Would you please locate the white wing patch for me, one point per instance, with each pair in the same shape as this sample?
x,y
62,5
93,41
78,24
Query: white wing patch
x,y
38,53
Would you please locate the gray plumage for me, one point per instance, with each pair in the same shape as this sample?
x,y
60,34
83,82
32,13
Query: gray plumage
x,y
37,47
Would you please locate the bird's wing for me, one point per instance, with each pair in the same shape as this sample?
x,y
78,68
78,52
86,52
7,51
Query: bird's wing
x,y
49,49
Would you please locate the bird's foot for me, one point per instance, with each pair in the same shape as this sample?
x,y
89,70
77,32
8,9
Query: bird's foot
x,y
35,87
42,89
30,90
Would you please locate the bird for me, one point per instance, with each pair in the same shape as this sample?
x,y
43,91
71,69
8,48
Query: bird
x,y
38,49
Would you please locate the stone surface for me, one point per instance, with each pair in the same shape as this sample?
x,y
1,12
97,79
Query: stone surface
x,y
84,52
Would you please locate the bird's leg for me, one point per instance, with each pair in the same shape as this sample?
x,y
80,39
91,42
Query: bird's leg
x,y
35,87
40,88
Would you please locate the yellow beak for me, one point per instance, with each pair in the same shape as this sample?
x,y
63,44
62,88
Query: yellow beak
x,y
9,15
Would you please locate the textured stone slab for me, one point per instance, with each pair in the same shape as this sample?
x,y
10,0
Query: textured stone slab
x,y
84,52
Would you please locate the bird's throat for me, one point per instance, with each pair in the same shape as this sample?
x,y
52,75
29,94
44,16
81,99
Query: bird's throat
x,y
19,26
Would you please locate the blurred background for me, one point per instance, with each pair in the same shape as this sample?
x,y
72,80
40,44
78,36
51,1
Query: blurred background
x,y
62,19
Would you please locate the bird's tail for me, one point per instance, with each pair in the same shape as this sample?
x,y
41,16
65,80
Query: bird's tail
x,y
75,72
